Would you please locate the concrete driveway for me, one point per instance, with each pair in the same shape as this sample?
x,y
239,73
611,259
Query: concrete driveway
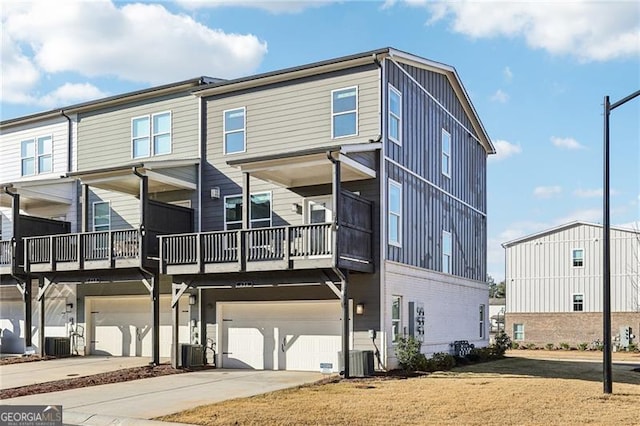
x,y
136,401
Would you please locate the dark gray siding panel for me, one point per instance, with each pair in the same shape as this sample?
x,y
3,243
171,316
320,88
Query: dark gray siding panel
x,y
433,202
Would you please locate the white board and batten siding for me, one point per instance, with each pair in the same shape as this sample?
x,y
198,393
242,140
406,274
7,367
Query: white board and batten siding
x,y
541,276
106,132
448,301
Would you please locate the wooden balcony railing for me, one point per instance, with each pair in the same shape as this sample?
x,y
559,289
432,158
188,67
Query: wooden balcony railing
x,y
91,250
262,249
6,256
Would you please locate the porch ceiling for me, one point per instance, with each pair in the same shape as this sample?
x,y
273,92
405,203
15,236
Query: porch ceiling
x,y
39,193
123,179
304,169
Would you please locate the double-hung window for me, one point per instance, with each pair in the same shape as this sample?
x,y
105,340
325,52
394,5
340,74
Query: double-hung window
x,y
578,302
259,211
36,156
394,208
518,331
395,115
234,130
446,252
151,135
577,258
396,318
101,216
344,112
446,153
482,314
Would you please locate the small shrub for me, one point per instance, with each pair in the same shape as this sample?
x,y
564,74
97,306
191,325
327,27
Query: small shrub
x,y
408,353
532,346
582,346
440,361
502,343
633,347
564,346
480,354
515,345
549,346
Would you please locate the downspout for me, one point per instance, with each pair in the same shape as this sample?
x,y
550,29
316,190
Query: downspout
x,y
69,142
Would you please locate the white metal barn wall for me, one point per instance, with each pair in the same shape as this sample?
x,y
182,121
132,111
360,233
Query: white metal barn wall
x,y
447,302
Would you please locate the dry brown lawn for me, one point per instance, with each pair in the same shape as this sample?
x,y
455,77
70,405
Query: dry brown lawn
x,y
521,389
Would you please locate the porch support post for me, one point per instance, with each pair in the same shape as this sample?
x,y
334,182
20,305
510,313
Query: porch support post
x,y
246,200
28,312
336,191
43,285
177,292
84,223
155,308
144,214
344,300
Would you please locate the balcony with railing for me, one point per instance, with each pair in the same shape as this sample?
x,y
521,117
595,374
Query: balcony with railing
x,y
6,257
264,249
91,250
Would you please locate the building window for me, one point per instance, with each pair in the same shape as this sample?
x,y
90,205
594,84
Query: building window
x,y
578,302
344,112
577,258
395,115
446,153
395,213
518,331
234,130
101,216
446,252
36,156
151,135
396,318
481,321
259,211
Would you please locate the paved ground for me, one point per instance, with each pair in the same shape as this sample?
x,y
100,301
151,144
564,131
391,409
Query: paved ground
x,y
130,403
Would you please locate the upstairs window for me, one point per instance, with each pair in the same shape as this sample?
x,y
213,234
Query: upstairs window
x,y
446,252
101,216
36,156
446,153
234,131
578,302
577,258
395,115
151,135
344,112
395,213
259,211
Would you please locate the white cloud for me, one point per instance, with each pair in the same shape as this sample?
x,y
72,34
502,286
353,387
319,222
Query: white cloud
x,y
500,97
71,93
136,42
504,149
547,191
508,75
593,193
272,6
587,30
566,143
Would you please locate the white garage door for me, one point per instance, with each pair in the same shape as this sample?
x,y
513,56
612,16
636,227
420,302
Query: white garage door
x,y
121,326
280,335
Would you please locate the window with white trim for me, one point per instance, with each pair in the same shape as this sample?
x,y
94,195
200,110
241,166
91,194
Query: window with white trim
x,y
234,123
259,211
446,252
36,156
151,135
578,302
481,323
396,318
394,208
446,153
577,258
394,124
344,112
518,331
101,216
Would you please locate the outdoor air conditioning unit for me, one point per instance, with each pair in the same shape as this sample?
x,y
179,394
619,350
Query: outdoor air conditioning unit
x,y
360,363
192,356
57,346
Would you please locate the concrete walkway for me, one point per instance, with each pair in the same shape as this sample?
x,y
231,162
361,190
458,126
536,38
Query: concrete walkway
x,y
136,401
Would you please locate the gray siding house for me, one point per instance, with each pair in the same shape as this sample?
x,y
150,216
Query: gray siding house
x,y
343,206
554,284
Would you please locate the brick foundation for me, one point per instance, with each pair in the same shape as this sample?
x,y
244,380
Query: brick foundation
x,y
569,327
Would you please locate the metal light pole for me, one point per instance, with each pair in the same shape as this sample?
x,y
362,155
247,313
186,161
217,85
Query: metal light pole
x,y
606,266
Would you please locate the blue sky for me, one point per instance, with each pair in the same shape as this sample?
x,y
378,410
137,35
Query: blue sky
x,y
536,72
